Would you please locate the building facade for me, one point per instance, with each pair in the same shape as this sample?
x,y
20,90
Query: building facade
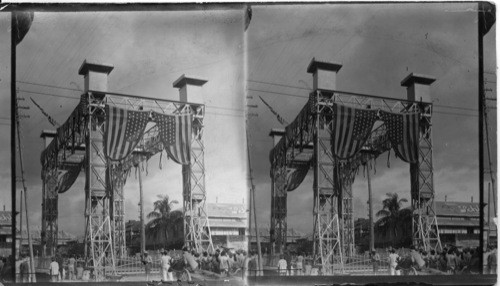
x,y
458,224
228,226
5,233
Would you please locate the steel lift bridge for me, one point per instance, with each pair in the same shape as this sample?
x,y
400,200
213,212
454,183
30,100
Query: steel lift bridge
x,y
307,143
78,144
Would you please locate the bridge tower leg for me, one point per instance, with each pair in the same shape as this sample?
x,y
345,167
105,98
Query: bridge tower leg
x,y
347,214
49,204
99,248
118,178
327,237
278,227
196,225
424,225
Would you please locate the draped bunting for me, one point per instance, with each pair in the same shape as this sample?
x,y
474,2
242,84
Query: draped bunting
x,y
175,134
68,176
403,132
303,122
73,123
124,129
350,129
296,176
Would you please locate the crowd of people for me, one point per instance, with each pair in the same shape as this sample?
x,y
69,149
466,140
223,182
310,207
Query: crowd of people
x,y
451,260
223,261
228,262
294,263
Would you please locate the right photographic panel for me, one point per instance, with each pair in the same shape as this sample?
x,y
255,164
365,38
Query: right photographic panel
x,y
372,142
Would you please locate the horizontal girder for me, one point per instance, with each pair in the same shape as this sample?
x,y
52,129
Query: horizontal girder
x,y
68,146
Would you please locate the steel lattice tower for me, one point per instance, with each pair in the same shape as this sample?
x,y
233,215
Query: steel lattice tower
x,y
80,140
424,224
333,230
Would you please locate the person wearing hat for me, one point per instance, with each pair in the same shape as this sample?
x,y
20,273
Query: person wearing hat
x,y
375,257
148,262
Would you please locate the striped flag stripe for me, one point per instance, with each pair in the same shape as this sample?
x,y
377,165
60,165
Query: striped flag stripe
x,y
123,131
351,129
175,133
403,131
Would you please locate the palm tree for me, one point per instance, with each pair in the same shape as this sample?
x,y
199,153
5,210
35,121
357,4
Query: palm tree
x,y
391,214
160,218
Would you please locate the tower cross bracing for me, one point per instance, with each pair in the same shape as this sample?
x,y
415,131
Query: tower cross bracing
x,y
80,141
333,230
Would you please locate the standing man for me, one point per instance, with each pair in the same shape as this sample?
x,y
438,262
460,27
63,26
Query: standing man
x,y
282,266
393,261
492,261
375,261
54,270
24,267
416,258
71,267
300,264
165,266
147,261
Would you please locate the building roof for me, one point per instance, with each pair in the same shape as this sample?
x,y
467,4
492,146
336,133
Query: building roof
x,y
61,235
462,209
227,210
236,223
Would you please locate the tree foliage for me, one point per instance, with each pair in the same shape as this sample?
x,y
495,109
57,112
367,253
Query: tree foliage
x,y
160,218
393,218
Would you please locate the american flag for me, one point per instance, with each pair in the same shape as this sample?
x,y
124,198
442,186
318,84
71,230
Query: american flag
x,y
175,134
350,130
124,129
403,133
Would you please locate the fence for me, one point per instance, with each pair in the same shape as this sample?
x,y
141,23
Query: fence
x,y
361,264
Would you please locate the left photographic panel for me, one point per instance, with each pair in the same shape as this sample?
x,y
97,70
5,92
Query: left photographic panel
x,y
130,144
6,175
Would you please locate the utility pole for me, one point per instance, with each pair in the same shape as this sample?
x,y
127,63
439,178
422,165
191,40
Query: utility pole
x,y
480,33
489,202
254,209
370,208
20,223
13,102
25,189
141,209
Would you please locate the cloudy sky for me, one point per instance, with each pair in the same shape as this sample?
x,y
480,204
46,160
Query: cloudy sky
x,y
149,51
378,46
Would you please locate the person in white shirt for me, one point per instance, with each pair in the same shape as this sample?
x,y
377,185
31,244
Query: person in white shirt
x,y
165,265
282,266
300,264
393,261
224,264
54,270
